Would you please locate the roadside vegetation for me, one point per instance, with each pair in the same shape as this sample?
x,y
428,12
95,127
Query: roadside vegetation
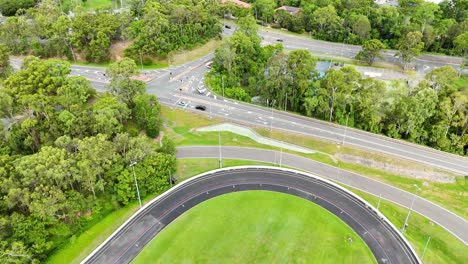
x,y
432,112
66,153
86,36
440,28
257,226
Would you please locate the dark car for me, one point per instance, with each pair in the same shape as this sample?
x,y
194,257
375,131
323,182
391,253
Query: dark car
x,y
200,107
227,26
279,40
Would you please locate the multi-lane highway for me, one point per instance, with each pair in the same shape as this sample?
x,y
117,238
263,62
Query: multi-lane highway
x,y
453,223
181,83
385,241
191,75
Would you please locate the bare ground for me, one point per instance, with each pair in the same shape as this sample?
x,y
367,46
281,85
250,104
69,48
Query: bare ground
x,y
419,173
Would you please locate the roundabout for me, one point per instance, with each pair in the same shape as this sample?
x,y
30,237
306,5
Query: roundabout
x,y
383,239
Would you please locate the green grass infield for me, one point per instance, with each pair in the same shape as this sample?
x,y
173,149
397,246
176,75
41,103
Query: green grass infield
x,y
257,227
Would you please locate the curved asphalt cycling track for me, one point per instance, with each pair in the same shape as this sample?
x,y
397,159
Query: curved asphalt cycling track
x,y
384,240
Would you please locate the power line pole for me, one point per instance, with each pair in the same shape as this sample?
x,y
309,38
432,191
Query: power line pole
x,y
136,182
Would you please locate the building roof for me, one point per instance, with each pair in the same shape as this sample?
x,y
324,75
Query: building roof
x,y
290,9
237,2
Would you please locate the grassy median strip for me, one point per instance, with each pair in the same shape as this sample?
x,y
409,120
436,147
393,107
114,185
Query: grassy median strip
x,y
180,125
257,227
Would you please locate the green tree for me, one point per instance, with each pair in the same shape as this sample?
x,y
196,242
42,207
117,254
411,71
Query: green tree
x,y
110,114
327,24
362,27
121,84
5,68
264,9
147,114
9,7
370,50
461,44
409,47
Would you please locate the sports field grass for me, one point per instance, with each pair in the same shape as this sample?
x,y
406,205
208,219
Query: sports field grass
x,y
257,227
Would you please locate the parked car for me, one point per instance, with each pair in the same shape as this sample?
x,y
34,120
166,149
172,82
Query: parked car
x,y
227,26
208,65
200,107
279,40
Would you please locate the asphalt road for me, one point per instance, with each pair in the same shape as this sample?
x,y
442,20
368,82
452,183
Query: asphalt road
x,y
453,223
384,241
181,83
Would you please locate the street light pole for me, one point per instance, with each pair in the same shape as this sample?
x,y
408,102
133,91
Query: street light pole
x,y
222,81
220,154
403,229
425,248
136,182
378,204
346,129
271,123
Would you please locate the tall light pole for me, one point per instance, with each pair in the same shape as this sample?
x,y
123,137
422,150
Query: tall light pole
x,y
220,154
346,129
222,80
403,229
136,182
271,123
425,248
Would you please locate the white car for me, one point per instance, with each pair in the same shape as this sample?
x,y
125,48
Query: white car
x,y
201,90
208,65
182,103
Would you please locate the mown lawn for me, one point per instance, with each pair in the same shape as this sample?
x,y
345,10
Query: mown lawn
x,y
257,227
180,125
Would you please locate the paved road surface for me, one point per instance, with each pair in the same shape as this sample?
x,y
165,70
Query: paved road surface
x,y
383,239
453,223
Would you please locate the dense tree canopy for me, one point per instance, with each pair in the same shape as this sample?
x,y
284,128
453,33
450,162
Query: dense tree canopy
x,y
358,21
65,154
433,112
154,29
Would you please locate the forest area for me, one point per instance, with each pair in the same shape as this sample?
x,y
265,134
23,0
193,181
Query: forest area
x,y
443,27
66,152
156,29
433,112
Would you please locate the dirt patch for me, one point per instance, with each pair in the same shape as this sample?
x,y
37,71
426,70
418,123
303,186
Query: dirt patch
x,y
117,49
425,174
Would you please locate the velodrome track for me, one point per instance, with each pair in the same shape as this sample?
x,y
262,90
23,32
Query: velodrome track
x,y
384,240
451,222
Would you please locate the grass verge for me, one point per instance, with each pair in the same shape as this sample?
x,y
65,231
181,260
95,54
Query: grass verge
x,y
77,248
180,125
257,227
442,248
197,52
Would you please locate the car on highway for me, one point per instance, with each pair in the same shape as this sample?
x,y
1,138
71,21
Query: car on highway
x,y
201,90
182,103
200,107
